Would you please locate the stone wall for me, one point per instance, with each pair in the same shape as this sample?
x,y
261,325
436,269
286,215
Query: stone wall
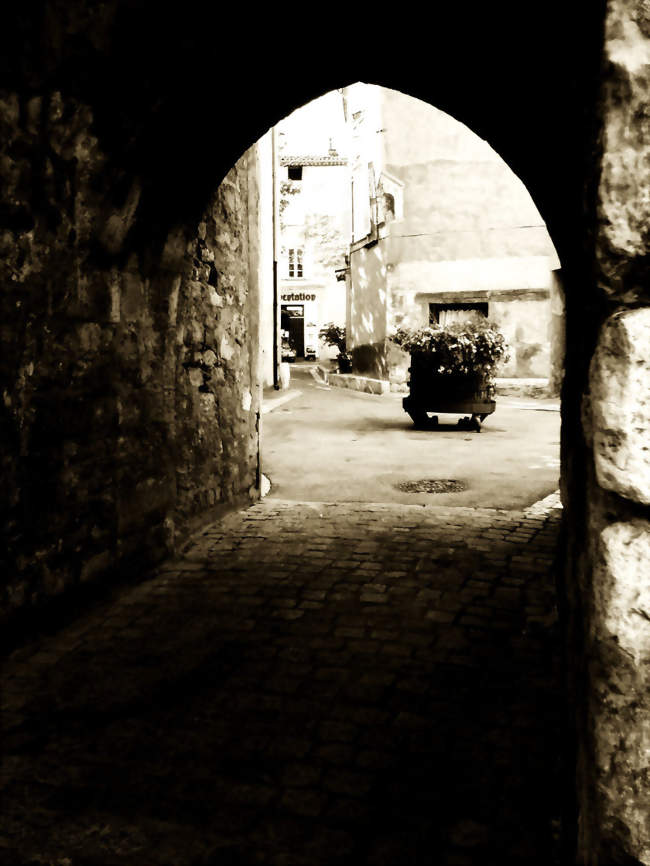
x,y
129,401
610,593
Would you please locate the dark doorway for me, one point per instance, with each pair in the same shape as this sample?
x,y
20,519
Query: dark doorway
x,y
293,321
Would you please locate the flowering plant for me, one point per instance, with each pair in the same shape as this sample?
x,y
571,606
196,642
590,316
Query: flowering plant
x,y
333,335
463,348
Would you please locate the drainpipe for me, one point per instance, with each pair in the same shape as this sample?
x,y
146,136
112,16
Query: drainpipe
x,y
276,330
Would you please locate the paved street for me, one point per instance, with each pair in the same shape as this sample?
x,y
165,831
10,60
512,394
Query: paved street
x,y
311,684
336,675
335,444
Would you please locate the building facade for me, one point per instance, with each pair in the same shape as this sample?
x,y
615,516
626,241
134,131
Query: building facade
x,y
442,230
313,218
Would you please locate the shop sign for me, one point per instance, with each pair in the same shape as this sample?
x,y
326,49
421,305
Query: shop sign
x,y
298,296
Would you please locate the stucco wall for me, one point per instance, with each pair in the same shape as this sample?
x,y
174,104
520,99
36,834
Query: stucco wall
x,y
468,224
420,274
265,231
525,319
526,325
368,310
557,333
129,398
461,200
315,217
455,209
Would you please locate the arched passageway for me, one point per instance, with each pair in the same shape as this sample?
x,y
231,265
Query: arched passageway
x,y
117,134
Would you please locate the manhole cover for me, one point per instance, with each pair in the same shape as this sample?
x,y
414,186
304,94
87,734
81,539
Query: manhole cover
x,y
431,485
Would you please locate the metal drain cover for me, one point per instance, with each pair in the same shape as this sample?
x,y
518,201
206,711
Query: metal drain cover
x,y
431,485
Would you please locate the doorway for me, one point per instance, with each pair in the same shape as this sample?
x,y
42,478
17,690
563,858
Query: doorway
x,y
293,321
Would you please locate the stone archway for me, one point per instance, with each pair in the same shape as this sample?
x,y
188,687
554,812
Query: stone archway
x,y
117,135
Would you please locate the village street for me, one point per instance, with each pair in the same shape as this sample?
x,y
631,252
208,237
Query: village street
x,y
315,683
331,444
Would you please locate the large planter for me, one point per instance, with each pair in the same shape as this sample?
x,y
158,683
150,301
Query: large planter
x,y
470,395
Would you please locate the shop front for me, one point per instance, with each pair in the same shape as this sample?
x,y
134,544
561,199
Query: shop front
x,y
300,324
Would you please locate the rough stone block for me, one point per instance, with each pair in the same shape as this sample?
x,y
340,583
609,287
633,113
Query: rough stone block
x,y
96,565
620,673
620,405
196,377
622,587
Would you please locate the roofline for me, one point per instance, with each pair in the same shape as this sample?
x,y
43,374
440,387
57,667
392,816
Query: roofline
x,y
313,160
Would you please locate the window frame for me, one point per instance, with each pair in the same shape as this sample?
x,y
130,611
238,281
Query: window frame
x,y
436,308
295,261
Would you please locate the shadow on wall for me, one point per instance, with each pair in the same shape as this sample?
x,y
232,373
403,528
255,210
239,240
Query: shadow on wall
x,y
370,360
528,360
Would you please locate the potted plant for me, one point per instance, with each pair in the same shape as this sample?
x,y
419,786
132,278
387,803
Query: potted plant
x,y
453,369
333,335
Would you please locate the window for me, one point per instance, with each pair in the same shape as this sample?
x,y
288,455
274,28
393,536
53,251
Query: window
x,y
447,314
389,207
294,172
391,198
295,263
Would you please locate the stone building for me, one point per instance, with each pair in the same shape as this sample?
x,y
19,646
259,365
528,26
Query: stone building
x,y
443,229
130,243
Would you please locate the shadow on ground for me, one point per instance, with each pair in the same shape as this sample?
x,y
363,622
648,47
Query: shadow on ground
x,y
342,686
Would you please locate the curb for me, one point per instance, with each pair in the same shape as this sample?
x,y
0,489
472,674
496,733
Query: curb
x,y
359,383
270,405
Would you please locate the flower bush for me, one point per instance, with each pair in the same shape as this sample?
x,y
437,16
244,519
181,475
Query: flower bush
x,y
333,335
464,348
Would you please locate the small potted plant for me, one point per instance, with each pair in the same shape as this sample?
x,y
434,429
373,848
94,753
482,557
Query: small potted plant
x,y
333,335
453,369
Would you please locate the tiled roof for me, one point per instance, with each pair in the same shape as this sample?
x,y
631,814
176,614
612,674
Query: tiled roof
x,y
311,159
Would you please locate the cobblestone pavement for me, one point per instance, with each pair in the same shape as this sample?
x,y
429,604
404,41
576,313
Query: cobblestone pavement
x,y
311,684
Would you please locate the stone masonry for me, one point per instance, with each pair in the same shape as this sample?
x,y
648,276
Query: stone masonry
x,y
611,618
134,411
310,684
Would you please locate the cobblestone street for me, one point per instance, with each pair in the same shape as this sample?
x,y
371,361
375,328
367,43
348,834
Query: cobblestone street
x,y
311,684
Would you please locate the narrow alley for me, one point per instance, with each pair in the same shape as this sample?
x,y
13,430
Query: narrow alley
x,y
309,684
